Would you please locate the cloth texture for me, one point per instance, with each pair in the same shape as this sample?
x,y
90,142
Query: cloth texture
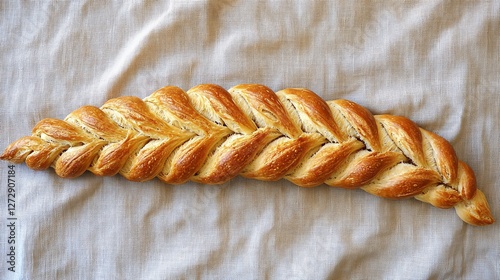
x,y
435,62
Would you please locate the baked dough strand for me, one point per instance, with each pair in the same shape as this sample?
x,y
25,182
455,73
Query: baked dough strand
x,y
210,135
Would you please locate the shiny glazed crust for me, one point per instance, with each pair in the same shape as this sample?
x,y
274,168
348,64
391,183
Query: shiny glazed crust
x,y
210,135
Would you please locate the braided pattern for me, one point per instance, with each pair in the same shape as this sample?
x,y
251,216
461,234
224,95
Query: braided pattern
x,y
210,135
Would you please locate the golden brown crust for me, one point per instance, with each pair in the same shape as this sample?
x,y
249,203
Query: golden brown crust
x,y
210,135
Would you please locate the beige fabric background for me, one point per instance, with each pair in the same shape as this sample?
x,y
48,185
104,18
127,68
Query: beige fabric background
x,y
436,62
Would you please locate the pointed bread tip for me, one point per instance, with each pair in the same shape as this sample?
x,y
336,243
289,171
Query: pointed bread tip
x,y
475,211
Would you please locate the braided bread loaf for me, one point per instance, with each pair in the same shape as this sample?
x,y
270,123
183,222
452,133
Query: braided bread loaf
x,y
210,135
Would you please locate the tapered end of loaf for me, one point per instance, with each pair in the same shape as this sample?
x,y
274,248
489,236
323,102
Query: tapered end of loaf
x,y
16,152
36,153
475,211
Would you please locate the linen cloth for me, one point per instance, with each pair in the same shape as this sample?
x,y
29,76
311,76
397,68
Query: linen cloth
x,y
435,62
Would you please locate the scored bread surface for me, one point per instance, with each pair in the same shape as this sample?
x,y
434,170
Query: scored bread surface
x,y
210,135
